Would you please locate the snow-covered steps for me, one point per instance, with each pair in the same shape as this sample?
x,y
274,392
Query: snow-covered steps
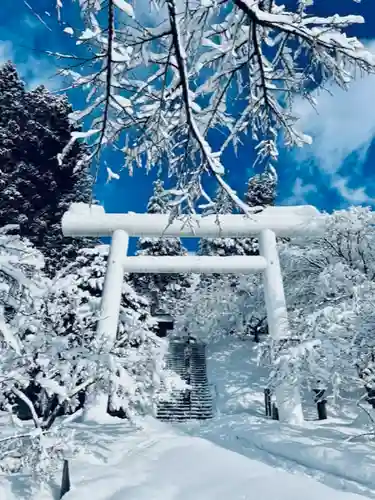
x,y
188,358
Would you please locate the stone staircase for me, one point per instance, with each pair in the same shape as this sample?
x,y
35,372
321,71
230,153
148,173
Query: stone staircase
x,y
187,358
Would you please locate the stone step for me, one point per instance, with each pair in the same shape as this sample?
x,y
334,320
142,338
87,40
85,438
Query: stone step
x,y
188,360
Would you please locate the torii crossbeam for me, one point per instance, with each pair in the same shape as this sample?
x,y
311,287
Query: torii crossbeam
x,y
85,220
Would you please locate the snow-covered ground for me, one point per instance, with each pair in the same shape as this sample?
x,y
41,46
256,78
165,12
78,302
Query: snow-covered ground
x,y
162,463
237,455
333,451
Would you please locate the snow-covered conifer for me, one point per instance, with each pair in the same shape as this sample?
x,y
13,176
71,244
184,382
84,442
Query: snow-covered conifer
x,y
35,189
262,189
261,192
220,246
163,290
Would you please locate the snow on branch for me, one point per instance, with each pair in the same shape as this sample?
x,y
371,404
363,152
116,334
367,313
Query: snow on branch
x,y
176,86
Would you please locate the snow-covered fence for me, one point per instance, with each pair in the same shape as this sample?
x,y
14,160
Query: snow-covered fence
x,y
85,220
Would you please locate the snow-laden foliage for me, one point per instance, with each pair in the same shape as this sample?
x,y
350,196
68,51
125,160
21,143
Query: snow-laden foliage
x,y
20,281
132,370
222,204
35,190
26,344
329,282
161,76
226,305
262,189
163,290
52,361
260,192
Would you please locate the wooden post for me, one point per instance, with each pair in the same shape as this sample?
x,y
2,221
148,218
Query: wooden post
x,y
65,480
275,412
267,402
321,403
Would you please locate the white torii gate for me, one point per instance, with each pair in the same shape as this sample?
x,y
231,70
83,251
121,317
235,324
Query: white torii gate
x,y
85,220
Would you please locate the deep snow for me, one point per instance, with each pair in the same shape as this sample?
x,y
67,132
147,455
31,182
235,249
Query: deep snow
x,y
162,463
332,451
238,455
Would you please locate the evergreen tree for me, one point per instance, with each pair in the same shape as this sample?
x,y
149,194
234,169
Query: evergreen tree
x,y
35,189
262,189
164,290
261,192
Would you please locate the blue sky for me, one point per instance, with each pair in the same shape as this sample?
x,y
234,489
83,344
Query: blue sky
x,y
337,170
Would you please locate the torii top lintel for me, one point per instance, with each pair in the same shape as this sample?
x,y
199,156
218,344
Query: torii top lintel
x,y
86,220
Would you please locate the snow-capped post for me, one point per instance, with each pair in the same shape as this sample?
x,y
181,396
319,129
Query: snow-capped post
x,y
267,401
287,393
65,480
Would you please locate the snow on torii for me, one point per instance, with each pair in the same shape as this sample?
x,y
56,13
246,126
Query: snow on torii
x,y
86,220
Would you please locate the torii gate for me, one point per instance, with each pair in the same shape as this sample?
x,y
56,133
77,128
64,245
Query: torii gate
x,y
86,220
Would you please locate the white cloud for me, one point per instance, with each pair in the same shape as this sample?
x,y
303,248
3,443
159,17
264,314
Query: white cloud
x,y
352,195
300,192
35,71
149,13
6,51
342,123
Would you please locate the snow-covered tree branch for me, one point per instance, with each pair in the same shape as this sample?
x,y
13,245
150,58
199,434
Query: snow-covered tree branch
x,y
164,78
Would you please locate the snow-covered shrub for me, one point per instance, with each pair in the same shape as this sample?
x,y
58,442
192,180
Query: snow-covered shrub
x,y
51,358
29,354
330,286
132,371
226,305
